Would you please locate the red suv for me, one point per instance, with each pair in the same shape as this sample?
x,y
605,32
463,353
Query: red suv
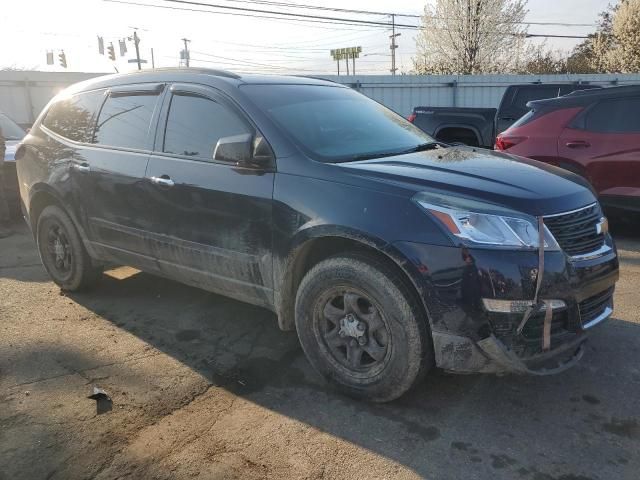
x,y
594,133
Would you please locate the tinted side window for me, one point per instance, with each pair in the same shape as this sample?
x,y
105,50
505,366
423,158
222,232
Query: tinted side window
x,y
614,116
125,120
73,117
525,95
195,124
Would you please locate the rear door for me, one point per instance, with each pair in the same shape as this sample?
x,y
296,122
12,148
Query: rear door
x,y
605,141
68,126
211,222
113,173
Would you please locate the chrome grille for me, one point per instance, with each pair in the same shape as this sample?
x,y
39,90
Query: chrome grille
x,y
576,232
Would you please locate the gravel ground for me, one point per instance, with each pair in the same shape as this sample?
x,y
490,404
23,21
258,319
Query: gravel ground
x,y
206,387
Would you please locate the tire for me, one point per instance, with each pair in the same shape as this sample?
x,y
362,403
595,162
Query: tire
x,y
334,299
62,252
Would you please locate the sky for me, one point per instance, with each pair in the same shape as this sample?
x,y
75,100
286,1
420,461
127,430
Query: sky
x,y
30,28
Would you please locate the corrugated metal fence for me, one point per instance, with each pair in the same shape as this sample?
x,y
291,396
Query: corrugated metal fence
x,y
24,93
404,92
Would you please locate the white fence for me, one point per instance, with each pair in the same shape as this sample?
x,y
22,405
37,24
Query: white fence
x,y
404,92
24,93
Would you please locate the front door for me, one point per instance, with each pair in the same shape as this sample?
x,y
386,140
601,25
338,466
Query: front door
x,y
211,221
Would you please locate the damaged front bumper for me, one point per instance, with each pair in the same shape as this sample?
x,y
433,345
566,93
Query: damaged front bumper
x,y
454,283
490,355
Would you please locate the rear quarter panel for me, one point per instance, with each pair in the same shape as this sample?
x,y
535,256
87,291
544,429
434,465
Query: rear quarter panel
x,y
540,136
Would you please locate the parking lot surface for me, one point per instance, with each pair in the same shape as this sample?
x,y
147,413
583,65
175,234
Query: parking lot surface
x,y
206,387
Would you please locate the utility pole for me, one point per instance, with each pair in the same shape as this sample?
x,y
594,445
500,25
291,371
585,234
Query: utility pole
x,y
136,41
353,57
394,45
153,62
346,60
186,51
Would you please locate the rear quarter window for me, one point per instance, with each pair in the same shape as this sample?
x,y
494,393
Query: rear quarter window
x,y
73,117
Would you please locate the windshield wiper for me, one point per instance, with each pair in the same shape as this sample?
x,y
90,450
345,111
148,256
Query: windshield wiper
x,y
425,146
419,148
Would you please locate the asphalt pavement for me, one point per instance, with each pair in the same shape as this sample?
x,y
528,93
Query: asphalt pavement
x,y
200,386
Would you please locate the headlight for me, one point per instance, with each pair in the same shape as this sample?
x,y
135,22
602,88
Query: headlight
x,y
489,229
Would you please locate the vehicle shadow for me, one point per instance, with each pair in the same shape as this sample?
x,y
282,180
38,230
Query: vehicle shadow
x,y
581,424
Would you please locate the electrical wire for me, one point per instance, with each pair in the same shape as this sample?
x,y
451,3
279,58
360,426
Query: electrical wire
x,y
297,17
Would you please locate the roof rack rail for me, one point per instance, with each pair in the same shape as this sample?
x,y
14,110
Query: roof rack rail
x,y
315,77
209,71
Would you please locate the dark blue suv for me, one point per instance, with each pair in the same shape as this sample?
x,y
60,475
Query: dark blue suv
x,y
388,252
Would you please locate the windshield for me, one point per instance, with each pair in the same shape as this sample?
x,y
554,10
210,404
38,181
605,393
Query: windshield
x,y
10,129
336,124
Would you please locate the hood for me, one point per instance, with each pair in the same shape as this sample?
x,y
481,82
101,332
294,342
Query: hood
x,y
10,152
514,182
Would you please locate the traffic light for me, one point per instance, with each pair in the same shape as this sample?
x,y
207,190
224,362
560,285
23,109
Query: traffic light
x,y
101,45
62,59
112,52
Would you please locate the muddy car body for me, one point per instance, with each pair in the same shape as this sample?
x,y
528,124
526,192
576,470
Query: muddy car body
x,y
377,244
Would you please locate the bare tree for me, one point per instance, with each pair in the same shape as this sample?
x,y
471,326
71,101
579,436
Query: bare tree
x,y
592,55
543,61
471,37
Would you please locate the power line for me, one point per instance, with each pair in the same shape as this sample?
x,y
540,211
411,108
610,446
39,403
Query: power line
x,y
246,62
284,14
363,12
318,7
301,20
297,17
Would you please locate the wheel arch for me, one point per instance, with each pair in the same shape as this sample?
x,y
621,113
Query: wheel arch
x,y
41,197
457,129
314,246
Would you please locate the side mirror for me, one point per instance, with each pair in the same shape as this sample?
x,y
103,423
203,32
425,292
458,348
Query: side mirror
x,y
262,153
245,151
234,149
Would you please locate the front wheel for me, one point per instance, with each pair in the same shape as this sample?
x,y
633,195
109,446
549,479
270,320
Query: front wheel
x,y
362,328
62,252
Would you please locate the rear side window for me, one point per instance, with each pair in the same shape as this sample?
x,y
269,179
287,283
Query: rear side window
x,y
525,95
73,117
195,124
526,118
125,120
620,115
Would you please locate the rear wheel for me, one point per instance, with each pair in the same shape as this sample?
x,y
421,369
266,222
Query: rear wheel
x,y
62,252
361,327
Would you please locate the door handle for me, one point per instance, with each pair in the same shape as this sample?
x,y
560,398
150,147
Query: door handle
x,y
163,180
578,144
82,167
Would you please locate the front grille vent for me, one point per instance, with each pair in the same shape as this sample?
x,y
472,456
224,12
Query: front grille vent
x,y
576,232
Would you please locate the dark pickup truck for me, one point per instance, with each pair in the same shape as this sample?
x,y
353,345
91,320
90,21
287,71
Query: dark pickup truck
x,y
478,127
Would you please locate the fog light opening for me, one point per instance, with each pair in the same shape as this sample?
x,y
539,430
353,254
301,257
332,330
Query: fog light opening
x,y
517,306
